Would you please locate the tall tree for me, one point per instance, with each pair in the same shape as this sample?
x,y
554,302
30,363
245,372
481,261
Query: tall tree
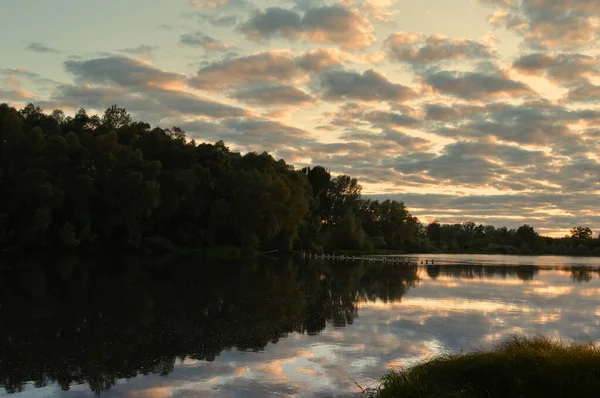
x,y
580,232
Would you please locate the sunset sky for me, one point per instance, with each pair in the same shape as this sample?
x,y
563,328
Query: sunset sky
x,y
481,110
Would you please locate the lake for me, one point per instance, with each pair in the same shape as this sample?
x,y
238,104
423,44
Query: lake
x,y
156,327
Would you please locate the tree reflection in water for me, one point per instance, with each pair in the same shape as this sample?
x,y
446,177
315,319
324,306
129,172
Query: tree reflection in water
x,y
72,320
472,271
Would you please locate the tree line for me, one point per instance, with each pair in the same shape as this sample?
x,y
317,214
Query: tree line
x,y
472,238
107,181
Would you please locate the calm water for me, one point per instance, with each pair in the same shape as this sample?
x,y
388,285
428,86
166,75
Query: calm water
x,y
153,328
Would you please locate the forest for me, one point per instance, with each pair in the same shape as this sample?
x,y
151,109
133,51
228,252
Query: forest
x,y
85,182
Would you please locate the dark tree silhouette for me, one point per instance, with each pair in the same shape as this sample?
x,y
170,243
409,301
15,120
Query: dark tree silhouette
x,y
580,232
89,181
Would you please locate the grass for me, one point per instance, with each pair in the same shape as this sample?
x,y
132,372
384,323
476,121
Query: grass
x,y
516,367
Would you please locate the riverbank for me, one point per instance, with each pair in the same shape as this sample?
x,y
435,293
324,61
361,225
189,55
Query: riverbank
x,y
517,367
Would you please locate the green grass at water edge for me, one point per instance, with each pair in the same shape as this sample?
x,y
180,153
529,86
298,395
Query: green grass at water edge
x,y
517,367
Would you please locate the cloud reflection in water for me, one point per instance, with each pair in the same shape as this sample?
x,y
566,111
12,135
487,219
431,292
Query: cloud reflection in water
x,y
391,320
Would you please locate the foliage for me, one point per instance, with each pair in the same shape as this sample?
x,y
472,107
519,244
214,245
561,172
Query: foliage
x,y
580,232
86,181
341,219
517,367
471,238
89,181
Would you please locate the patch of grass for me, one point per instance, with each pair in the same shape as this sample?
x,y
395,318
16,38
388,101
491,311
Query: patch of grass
x,y
517,367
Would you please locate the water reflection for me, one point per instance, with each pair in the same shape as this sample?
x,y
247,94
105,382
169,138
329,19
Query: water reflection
x,y
264,327
70,321
583,274
471,271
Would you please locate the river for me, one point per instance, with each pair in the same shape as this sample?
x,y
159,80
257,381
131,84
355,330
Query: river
x,y
134,327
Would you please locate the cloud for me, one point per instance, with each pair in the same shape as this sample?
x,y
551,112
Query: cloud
x,y
10,95
17,72
476,85
328,24
356,117
268,130
467,171
273,21
563,68
389,141
349,114
482,165
250,134
365,154
10,88
533,122
439,112
341,85
321,59
278,95
72,96
585,93
382,118
11,82
122,71
550,24
144,51
510,156
381,11
261,67
564,33
154,103
505,3
213,5
190,104
418,49
265,67
210,4
137,86
13,78
40,48
218,20
198,39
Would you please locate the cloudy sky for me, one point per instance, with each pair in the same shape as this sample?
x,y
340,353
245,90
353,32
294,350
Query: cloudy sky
x,y
483,110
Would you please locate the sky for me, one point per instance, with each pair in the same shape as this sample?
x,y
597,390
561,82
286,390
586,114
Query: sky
x,y
482,110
